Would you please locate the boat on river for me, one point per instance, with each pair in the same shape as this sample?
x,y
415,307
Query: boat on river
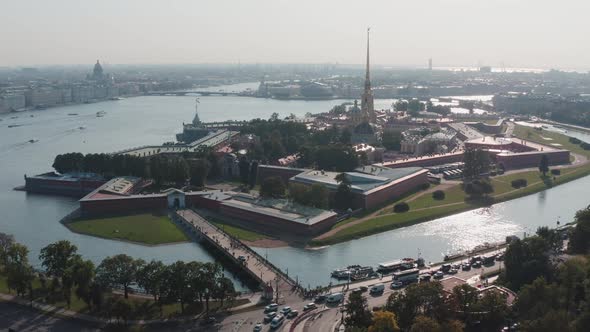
x,y
353,272
100,114
398,265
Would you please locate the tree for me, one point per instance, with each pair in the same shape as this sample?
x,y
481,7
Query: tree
x,y
319,196
57,257
391,139
120,270
477,162
253,174
384,321
544,165
424,298
83,272
19,274
580,236
439,195
199,169
272,187
401,106
150,277
477,188
6,241
244,169
526,260
343,196
414,107
425,324
178,283
357,311
224,289
339,158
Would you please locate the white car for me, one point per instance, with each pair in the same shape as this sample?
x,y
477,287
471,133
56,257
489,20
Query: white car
x,y
258,327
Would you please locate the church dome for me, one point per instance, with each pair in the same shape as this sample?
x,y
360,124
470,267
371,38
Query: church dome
x,y
97,69
355,109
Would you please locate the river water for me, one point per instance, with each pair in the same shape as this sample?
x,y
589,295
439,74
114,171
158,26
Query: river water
x,y
34,219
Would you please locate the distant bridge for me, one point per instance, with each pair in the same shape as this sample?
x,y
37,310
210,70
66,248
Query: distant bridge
x,y
193,92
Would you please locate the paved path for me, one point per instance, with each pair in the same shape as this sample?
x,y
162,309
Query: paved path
x,y
257,266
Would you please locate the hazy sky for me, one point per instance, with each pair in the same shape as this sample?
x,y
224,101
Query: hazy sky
x,y
518,33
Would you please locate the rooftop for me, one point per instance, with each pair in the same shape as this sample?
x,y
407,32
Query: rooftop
x,y
365,179
279,208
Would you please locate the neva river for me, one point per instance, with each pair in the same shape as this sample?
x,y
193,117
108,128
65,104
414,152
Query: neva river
x,y
34,219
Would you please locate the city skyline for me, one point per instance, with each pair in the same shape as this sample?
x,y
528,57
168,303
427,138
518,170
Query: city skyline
x,y
453,33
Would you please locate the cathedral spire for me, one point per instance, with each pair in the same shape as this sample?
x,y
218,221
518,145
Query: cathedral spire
x,y
368,77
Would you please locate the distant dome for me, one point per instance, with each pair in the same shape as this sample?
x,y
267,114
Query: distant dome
x,y
355,109
97,72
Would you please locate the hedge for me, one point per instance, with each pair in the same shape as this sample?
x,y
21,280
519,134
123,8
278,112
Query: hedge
x,y
401,207
518,183
556,171
439,195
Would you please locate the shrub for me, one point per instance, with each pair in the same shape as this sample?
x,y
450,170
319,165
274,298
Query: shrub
x,y
518,183
439,195
424,186
585,146
401,207
556,171
574,140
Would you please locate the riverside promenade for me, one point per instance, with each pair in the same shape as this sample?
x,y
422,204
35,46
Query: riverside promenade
x,y
271,278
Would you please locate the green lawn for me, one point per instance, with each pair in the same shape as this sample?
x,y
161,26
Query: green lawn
x,y
503,191
143,228
238,232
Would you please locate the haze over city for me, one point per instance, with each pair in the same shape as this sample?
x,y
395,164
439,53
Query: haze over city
x,y
501,33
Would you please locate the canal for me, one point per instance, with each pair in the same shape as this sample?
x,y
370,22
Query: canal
x,y
34,219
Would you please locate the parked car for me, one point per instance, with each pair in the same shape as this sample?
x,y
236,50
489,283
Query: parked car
x,y
425,277
257,327
466,267
453,271
292,313
356,290
377,289
309,306
438,275
286,310
397,285
364,289
270,316
445,268
476,264
271,307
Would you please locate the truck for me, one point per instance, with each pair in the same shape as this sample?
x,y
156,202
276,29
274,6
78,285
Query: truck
x,y
335,298
407,276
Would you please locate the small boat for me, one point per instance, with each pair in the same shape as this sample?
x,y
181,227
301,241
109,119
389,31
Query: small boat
x,y
15,125
34,140
32,116
82,127
72,113
100,114
14,117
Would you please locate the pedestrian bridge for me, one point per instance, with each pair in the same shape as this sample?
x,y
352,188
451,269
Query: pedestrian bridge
x,y
269,276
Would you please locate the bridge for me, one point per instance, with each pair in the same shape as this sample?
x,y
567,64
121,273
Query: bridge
x,y
270,278
193,92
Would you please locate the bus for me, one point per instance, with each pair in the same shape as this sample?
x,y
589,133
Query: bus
x,y
277,321
407,276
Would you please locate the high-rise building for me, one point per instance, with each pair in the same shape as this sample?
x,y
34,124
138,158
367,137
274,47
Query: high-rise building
x,y
367,107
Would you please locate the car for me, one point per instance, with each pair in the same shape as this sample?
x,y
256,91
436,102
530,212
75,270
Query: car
x,y
271,307
292,313
257,327
209,320
397,285
456,266
476,264
453,271
242,258
438,275
425,277
269,317
309,306
445,268
286,310
364,289
356,290
377,289
466,267
500,257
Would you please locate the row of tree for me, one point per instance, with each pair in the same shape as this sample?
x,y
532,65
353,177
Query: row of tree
x,y
195,166
67,273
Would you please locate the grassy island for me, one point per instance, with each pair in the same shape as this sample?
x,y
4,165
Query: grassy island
x,y
144,228
423,207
